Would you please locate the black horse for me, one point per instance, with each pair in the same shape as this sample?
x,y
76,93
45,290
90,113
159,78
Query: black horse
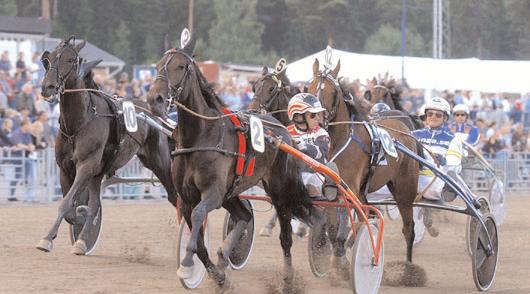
x,y
206,167
92,142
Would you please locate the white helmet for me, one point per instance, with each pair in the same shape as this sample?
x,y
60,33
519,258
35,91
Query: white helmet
x,y
461,108
437,103
302,103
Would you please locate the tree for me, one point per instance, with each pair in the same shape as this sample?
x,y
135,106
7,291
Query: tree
x,y
235,35
274,17
387,41
8,7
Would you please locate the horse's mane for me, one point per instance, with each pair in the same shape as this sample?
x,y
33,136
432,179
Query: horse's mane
x,y
207,92
360,108
395,91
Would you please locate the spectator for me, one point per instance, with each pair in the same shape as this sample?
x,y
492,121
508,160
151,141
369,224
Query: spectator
x,y
494,145
134,91
26,100
47,131
7,86
5,133
36,69
5,63
519,138
24,154
21,66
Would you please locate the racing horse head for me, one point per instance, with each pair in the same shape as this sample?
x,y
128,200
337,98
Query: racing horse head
x,y
272,92
61,65
206,170
385,89
353,150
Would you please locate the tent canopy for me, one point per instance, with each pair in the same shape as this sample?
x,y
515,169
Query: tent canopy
x,y
424,73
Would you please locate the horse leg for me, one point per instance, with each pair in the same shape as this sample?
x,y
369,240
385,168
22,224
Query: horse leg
x,y
202,251
286,241
83,174
266,231
210,200
404,196
242,216
94,204
159,163
337,227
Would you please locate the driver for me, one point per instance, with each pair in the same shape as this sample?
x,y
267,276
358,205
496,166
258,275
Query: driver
x,y
442,143
306,113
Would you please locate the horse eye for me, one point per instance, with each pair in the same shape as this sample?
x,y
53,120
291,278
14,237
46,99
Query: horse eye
x,y
180,67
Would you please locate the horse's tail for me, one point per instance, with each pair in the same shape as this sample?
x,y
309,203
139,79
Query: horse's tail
x,y
293,195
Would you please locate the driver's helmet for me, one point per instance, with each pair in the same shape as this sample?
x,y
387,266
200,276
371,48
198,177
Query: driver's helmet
x,y
379,108
302,103
437,103
461,108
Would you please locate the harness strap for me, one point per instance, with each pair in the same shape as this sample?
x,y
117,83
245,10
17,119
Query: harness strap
x,y
242,142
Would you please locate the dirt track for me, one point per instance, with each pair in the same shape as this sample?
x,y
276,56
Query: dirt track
x,y
136,254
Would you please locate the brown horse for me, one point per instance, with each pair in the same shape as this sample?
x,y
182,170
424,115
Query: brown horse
x,y
355,159
92,142
205,166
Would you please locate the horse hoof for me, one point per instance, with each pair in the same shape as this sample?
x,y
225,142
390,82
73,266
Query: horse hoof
x,y
79,248
82,210
45,245
433,231
265,232
185,272
341,265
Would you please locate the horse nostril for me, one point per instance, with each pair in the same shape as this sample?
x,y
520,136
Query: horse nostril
x,y
159,99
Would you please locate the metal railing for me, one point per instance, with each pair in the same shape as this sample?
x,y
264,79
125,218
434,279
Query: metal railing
x,y
37,178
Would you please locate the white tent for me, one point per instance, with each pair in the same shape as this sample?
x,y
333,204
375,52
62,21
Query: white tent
x,y
424,73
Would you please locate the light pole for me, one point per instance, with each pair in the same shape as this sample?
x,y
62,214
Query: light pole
x,y
403,38
190,15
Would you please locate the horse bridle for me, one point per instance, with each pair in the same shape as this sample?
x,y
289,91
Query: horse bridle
x,y
174,91
74,63
275,93
388,92
330,113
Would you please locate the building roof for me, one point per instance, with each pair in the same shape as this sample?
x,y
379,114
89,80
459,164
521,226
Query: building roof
x,y
25,25
90,52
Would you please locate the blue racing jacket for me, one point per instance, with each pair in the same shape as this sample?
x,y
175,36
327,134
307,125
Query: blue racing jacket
x,y
466,132
441,142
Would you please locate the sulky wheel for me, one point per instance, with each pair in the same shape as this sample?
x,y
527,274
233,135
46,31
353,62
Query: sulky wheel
x,y
392,211
92,237
472,222
241,253
319,252
484,266
199,271
497,200
366,277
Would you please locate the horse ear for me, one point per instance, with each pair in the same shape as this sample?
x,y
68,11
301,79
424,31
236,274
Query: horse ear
x,y
265,71
44,59
316,66
79,46
87,67
190,46
253,84
167,42
335,72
